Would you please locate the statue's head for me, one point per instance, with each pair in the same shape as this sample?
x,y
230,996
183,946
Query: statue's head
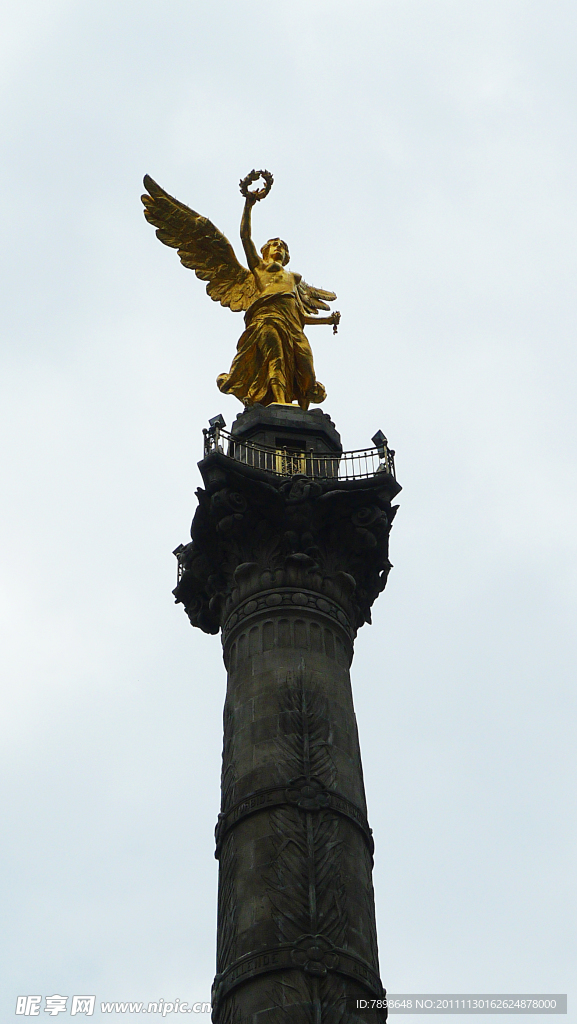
x,y
275,251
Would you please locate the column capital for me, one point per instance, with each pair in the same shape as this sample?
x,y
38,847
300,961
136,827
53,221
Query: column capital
x,y
289,539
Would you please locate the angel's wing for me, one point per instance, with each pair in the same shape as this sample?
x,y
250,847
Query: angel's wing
x,y
201,247
313,299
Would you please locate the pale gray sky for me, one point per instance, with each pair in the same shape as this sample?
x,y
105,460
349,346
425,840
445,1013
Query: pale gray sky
x,y
424,156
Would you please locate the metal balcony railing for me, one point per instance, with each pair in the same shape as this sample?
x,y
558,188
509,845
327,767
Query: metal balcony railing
x,y
287,461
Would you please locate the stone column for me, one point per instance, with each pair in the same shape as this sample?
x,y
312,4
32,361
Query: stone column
x,y
288,570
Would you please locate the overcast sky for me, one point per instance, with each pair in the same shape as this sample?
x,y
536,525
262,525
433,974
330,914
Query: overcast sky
x,y
424,156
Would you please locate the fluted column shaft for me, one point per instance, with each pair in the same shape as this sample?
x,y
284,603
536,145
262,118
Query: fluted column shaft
x,y
294,843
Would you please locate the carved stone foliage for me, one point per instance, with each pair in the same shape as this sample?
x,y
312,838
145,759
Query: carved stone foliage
x,y
304,882
228,773
254,531
312,958
226,924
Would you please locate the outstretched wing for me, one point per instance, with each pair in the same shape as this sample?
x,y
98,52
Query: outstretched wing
x,y
313,299
201,247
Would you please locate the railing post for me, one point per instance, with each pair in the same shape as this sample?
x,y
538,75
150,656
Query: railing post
x,y
285,462
392,462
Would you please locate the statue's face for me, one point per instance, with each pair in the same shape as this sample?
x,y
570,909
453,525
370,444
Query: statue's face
x,y
275,251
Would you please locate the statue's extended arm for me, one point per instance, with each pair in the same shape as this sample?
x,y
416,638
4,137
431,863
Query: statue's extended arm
x,y
333,319
248,245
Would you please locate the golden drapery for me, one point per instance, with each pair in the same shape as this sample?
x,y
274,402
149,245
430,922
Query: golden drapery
x,y
273,352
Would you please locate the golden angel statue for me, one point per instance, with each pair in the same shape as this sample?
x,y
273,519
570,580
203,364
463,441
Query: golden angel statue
x,y
273,362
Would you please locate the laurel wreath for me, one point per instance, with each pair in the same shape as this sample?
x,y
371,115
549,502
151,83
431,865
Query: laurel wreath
x,y
257,193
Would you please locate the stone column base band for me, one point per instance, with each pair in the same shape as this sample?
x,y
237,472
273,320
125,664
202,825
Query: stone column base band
x,y
311,953
308,794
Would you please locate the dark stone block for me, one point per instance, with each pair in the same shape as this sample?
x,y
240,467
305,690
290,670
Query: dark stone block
x,y
275,425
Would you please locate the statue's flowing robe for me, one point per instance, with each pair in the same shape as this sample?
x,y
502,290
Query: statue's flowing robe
x,y
273,349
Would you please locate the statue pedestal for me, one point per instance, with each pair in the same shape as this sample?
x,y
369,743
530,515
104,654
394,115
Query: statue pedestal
x,y
278,426
287,567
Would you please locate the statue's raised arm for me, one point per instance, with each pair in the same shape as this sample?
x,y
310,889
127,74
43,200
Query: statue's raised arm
x,y
274,362
252,196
